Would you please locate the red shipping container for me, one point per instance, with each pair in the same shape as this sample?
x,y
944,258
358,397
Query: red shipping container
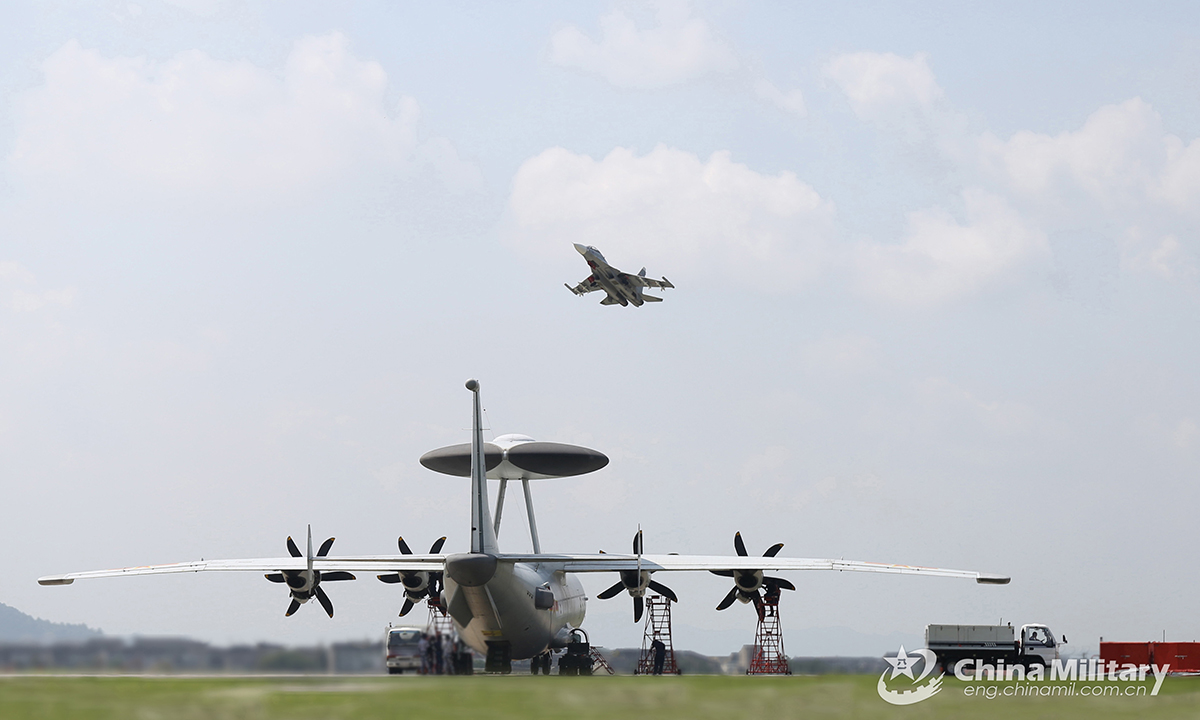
x,y
1181,656
1137,653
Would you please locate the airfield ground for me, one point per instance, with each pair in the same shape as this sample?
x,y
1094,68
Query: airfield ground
x,y
366,698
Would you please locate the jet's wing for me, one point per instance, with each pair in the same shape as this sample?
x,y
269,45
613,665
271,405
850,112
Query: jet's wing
x,y
365,563
604,562
644,281
585,286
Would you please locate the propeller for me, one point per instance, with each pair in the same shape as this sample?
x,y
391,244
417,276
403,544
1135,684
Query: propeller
x,y
305,584
417,583
746,583
637,582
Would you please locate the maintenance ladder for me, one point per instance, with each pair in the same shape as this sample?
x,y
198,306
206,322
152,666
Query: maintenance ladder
x,y
769,657
439,622
598,661
658,626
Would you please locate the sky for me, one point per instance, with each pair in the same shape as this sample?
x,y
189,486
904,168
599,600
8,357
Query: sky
x,y
936,271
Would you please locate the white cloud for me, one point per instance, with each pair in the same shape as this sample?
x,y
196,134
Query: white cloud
x,y
1116,158
15,272
791,101
1163,256
679,49
671,210
1179,186
30,298
1120,175
203,129
878,82
941,258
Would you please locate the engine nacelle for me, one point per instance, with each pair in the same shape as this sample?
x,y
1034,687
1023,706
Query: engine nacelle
x,y
748,582
635,582
414,582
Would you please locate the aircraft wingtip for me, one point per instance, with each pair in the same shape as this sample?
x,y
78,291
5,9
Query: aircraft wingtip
x,y
993,580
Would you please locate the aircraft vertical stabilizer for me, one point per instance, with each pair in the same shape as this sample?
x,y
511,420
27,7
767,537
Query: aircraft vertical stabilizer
x,y
483,536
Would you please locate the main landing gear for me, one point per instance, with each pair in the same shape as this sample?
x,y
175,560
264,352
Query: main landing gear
x,y
541,663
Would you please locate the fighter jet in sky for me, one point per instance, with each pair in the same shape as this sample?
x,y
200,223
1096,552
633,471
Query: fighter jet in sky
x,y
620,288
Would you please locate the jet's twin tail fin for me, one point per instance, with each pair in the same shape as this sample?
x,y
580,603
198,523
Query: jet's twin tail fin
x,y
483,536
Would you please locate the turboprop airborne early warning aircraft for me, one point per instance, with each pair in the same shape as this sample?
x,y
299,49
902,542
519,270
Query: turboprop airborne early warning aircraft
x,y
621,288
514,605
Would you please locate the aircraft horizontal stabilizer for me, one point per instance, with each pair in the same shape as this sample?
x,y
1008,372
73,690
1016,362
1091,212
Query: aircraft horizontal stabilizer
x,y
651,298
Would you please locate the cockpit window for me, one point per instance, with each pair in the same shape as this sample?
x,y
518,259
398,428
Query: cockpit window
x,y
1039,636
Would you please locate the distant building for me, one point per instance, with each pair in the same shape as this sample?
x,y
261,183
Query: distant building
x,y
180,655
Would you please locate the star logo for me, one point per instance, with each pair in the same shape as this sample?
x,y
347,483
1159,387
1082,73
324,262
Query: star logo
x,y
917,688
902,664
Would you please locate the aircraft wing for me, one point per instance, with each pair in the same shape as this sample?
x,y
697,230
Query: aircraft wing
x,y
644,281
585,286
604,562
365,563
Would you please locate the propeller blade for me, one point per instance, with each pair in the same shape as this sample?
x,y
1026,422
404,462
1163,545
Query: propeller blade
x,y
773,550
728,600
637,608
780,582
292,549
276,577
408,605
663,590
612,591
292,608
637,543
336,575
391,579
325,548
404,549
722,573
437,546
324,600
739,545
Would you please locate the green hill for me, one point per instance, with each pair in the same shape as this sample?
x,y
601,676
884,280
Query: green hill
x,y
17,627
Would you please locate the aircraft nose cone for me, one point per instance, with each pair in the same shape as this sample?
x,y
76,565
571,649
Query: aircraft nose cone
x,y
581,249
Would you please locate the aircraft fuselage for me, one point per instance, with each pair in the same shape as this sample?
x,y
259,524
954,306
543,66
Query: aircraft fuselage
x,y
503,608
610,280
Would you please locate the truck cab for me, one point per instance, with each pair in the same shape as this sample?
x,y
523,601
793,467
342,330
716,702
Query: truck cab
x,y
1037,642
402,648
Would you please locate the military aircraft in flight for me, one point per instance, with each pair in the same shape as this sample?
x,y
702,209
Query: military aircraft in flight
x,y
512,606
620,288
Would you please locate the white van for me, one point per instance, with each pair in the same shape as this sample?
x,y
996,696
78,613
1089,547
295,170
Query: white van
x,y
401,646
